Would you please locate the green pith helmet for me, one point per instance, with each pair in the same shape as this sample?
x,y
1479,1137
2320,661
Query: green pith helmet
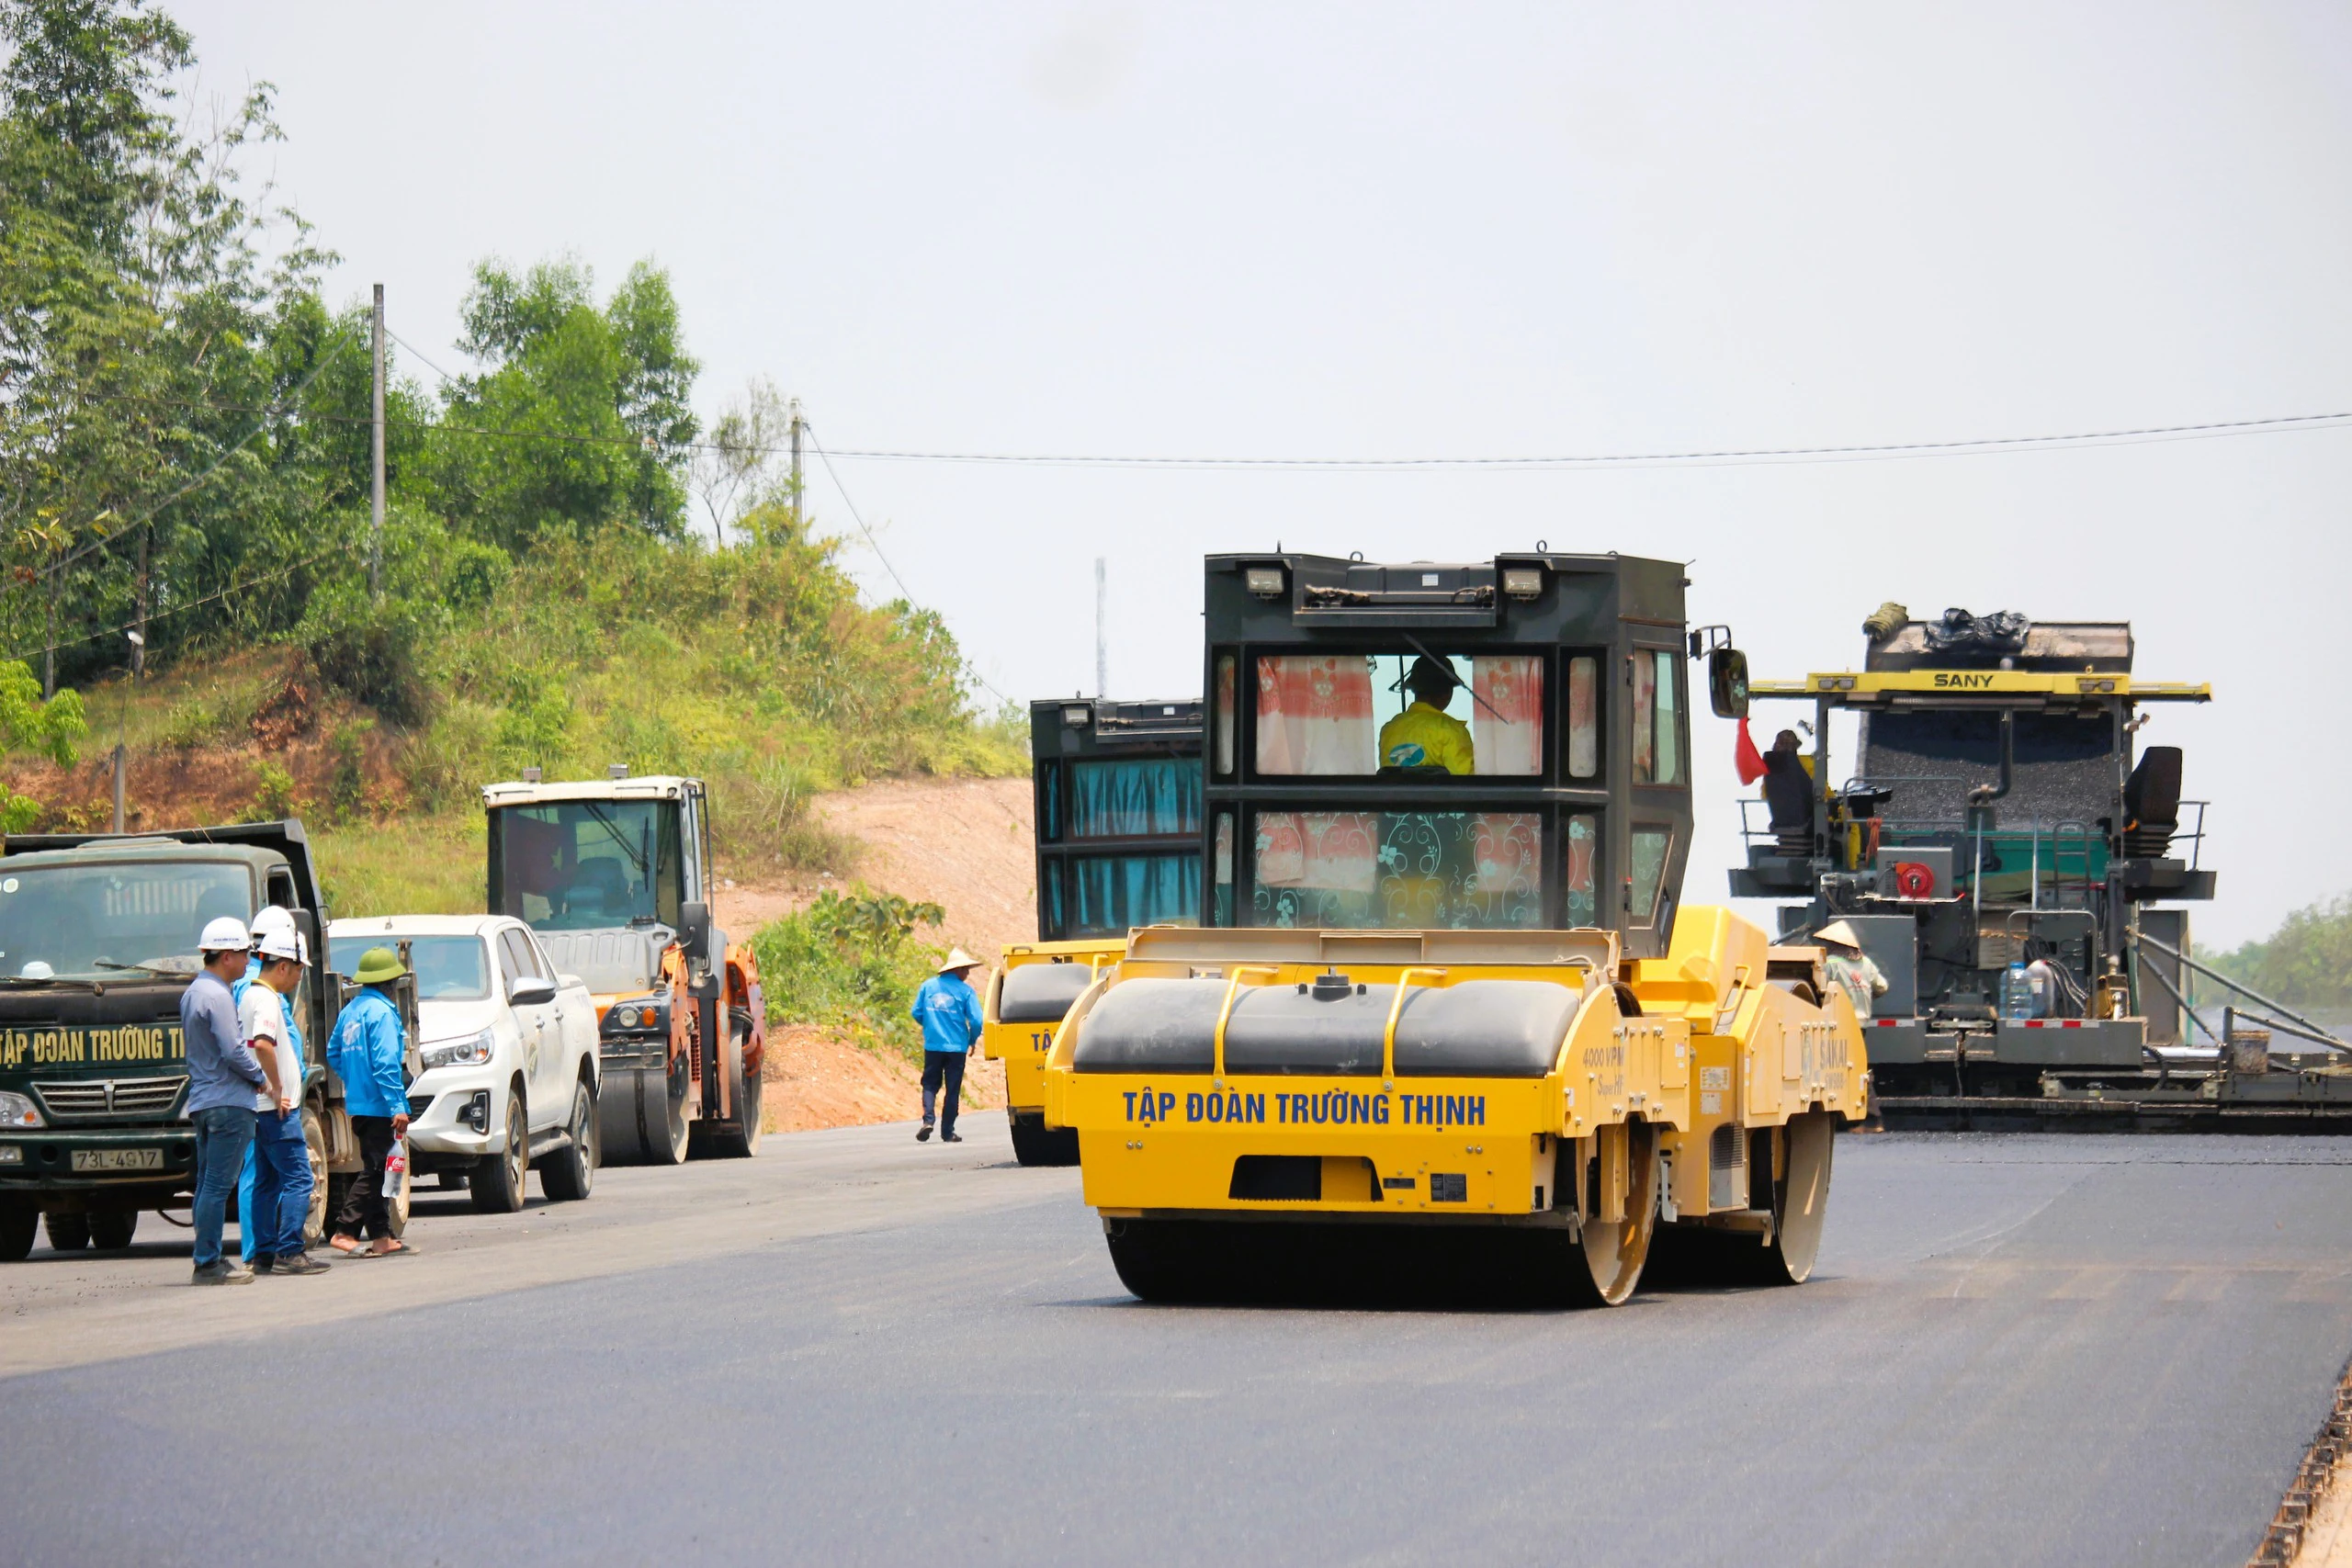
x,y
379,965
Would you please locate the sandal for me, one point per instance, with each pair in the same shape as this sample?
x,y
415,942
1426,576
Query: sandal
x,y
337,1242
398,1249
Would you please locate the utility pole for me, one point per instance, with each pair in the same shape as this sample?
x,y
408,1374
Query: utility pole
x,y
122,732
1101,649
795,461
376,494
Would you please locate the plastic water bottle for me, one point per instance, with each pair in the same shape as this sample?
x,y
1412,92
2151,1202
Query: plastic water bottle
x,y
2016,992
395,1170
2043,977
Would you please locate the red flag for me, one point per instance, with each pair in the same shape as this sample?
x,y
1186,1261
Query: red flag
x,y
1745,758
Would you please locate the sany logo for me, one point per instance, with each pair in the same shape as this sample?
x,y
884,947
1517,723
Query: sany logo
x,y
1963,679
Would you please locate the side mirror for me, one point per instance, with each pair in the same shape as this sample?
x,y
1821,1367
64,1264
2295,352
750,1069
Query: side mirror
x,y
1727,683
531,992
693,928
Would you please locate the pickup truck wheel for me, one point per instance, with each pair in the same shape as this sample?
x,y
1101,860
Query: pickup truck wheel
x,y
496,1184
69,1233
566,1175
17,1223
112,1231
740,1138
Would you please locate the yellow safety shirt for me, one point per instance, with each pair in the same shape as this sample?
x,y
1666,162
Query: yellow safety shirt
x,y
1422,736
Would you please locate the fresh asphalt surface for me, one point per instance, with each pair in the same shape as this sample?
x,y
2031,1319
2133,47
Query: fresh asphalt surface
x,y
2076,1349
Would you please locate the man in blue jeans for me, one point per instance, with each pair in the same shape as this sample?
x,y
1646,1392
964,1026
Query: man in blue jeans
x,y
279,1202
950,1016
222,1079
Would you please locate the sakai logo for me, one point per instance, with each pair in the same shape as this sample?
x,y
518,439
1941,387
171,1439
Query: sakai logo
x,y
1963,680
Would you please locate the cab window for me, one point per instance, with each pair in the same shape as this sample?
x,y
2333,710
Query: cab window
x,y
1457,869
1658,717
1354,714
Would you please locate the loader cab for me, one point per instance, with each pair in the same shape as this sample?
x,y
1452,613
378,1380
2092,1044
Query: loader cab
x,y
1118,815
598,856
1427,745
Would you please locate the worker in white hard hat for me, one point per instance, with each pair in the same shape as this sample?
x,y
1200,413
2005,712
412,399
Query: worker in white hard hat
x,y
1850,966
222,1079
950,1014
274,920
279,1205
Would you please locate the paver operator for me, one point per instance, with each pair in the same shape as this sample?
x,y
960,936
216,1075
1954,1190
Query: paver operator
x,y
1425,735
1851,967
949,1012
222,1079
369,1047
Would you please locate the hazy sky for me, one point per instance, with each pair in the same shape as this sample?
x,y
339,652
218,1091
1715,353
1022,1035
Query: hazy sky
x,y
1363,231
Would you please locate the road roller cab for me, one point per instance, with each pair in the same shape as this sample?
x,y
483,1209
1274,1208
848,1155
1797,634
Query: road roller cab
x,y
614,875
1445,980
1118,834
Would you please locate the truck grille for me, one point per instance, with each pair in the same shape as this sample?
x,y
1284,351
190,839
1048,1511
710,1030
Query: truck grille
x,y
74,1100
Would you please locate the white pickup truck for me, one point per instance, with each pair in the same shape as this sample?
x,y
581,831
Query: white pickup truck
x,y
509,1053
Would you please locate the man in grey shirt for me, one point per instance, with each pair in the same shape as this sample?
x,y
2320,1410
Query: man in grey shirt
x,y
223,1076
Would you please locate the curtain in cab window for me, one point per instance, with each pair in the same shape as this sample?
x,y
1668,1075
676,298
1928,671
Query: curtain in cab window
x,y
1133,799
1315,714
1403,869
1506,719
1114,891
1658,717
1584,717
1648,871
1582,906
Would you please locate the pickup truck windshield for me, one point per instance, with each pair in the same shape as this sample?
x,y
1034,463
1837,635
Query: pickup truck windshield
x,y
92,923
583,864
448,968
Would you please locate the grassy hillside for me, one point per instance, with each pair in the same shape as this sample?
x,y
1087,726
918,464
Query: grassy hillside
x,y
756,668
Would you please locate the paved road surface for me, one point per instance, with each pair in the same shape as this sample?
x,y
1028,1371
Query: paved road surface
x,y
854,1350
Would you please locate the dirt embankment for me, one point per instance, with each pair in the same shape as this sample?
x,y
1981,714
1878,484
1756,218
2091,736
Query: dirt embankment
x,y
964,844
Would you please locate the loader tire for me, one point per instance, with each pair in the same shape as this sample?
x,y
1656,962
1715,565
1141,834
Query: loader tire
x,y
1033,1142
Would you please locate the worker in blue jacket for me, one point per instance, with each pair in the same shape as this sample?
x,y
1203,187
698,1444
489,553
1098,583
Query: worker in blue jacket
x,y
368,1048
950,1015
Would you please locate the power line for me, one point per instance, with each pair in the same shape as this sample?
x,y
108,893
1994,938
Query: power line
x,y
175,609
907,593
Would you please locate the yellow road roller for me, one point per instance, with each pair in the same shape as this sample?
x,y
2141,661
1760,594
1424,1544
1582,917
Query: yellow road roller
x,y
1118,834
1446,993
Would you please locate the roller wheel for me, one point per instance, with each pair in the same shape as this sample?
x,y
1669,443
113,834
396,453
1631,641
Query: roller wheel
x,y
739,1139
112,1231
18,1222
69,1233
497,1184
1033,1142
1155,1262
664,1128
566,1175
1800,1198
1606,1264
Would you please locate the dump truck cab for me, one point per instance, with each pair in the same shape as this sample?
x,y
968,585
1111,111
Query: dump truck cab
x,y
97,942
613,876
1118,835
1443,978
2000,829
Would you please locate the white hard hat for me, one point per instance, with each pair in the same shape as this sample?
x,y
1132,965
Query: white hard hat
x,y
224,933
273,918
286,944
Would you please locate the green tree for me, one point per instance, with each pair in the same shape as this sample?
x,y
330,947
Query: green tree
x,y
2306,963
581,420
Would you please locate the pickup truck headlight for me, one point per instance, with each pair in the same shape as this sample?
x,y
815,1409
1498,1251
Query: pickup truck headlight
x,y
18,1111
471,1051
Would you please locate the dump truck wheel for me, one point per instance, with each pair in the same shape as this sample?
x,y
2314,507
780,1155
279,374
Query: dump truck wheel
x,y
740,1138
567,1175
498,1183
112,1231
69,1233
1613,1255
1033,1142
18,1222
1800,1198
314,1140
